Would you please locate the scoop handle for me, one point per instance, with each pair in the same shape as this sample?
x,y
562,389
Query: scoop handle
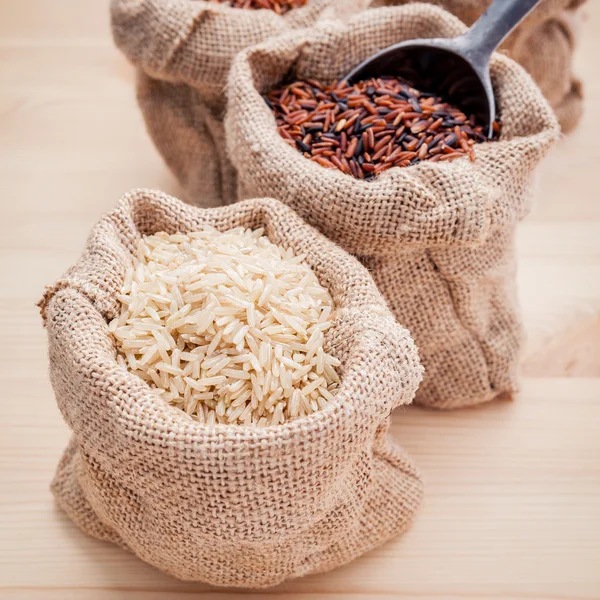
x,y
488,32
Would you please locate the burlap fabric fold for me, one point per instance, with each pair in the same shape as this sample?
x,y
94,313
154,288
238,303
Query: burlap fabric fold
x,y
437,238
543,44
229,505
183,51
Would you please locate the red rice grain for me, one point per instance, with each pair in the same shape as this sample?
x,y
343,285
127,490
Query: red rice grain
x,y
373,125
278,6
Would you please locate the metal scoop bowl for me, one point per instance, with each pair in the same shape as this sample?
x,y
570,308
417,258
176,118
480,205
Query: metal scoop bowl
x,y
455,68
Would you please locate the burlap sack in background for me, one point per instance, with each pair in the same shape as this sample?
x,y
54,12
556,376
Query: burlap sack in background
x,y
437,237
183,50
543,44
229,505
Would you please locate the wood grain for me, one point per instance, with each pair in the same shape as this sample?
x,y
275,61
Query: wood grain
x,y
513,489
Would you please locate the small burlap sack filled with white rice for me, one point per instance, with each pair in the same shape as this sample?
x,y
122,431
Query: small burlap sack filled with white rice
x,y
182,50
229,505
544,44
437,238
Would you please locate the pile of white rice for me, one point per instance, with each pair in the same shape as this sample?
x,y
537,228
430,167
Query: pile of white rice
x,y
228,327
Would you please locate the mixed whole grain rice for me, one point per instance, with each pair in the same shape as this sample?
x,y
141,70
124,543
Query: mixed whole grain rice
x,y
368,127
278,6
228,327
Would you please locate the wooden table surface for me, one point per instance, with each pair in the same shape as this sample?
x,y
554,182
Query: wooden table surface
x,y
512,508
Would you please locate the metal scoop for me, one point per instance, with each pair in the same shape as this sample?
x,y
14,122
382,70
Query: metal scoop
x,y
455,68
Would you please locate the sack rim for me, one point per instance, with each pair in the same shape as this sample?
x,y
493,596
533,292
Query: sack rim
x,y
255,138
177,19
376,330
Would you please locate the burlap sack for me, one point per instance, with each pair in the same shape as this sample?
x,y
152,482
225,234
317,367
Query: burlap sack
x,y
229,505
438,238
183,51
543,44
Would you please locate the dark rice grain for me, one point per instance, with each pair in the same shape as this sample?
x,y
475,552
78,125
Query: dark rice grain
x,y
278,6
373,125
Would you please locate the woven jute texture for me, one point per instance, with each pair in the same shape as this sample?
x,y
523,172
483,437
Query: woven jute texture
x,y
438,238
183,50
229,505
543,44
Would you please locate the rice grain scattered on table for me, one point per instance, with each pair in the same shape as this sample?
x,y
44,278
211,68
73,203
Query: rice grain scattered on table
x,y
373,125
228,327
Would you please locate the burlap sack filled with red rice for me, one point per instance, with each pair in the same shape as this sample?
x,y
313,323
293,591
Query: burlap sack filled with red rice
x,y
229,505
437,237
543,44
183,50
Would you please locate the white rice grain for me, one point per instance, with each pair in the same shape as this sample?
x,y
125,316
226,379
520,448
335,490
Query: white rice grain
x,y
228,327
